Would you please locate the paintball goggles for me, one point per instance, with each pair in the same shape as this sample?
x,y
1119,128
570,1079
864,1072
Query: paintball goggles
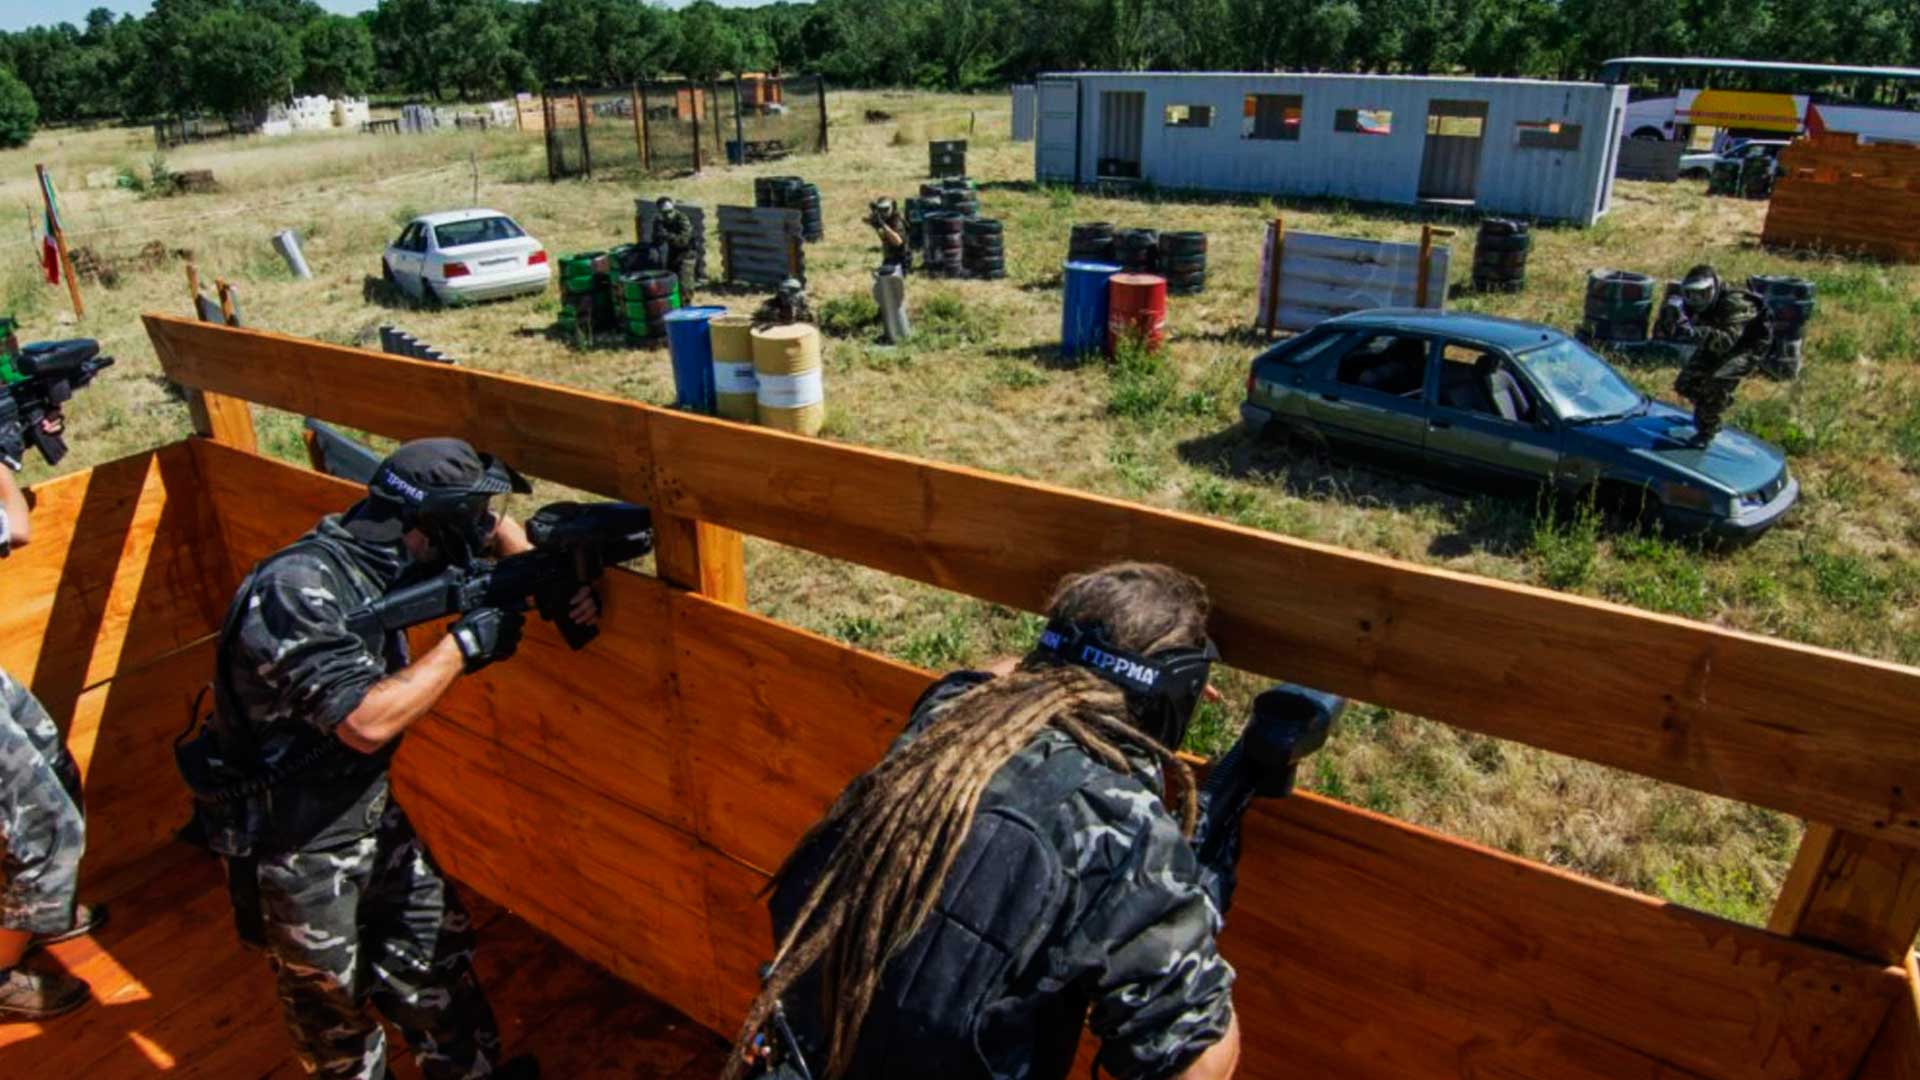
x,y
1289,722
572,544
34,383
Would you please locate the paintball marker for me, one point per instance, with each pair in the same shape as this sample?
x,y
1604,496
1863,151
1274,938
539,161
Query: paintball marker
x,y
572,544
1289,722
34,383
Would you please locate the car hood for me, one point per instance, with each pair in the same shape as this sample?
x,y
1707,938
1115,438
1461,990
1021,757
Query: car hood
x,y
1735,460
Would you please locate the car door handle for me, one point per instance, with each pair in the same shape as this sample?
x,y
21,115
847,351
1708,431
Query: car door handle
x,y
1440,423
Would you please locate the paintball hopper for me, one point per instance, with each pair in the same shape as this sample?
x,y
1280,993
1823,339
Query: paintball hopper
x,y
1289,722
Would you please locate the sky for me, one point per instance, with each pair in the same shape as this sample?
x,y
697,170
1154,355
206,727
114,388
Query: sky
x,y
20,14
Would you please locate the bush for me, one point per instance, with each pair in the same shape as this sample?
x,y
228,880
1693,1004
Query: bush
x,y
1144,383
18,111
844,316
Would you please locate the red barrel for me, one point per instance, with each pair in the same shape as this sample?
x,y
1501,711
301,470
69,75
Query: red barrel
x,y
1137,307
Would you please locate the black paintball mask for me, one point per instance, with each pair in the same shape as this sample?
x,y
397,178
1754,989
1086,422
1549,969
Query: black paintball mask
x,y
443,487
1700,288
1162,689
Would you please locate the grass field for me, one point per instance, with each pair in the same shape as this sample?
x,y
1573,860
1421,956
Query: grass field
x,y
981,386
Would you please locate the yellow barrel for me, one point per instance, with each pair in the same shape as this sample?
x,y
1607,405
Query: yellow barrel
x,y
735,389
786,364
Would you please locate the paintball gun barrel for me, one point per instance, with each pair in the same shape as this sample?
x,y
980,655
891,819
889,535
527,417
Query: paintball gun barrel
x,y
1289,722
34,383
572,544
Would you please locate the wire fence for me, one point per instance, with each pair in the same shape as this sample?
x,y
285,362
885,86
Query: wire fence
x,y
681,126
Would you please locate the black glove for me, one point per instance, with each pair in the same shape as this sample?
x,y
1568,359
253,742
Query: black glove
x,y
487,634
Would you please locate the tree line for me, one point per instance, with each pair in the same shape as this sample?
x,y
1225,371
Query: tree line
x,y
230,56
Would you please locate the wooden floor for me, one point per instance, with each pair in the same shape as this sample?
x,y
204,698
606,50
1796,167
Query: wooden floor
x,y
176,993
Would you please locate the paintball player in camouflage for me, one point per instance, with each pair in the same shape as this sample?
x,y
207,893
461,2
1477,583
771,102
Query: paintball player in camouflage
x,y
672,228
787,306
42,831
1731,334
1010,868
891,227
352,909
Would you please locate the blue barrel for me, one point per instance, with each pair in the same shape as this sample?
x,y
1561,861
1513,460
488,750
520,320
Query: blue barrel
x,y
1083,318
692,353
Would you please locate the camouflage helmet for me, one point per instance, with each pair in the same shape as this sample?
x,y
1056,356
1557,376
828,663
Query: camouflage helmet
x,y
883,204
791,287
664,202
1700,288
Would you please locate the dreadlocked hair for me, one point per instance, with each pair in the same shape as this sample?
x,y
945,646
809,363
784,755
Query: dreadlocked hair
x,y
901,823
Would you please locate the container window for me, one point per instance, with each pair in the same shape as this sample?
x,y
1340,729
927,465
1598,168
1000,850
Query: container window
x,y
1546,135
1460,127
1194,116
1363,121
1271,116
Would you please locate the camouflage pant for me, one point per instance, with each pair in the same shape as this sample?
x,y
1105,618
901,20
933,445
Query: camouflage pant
x,y
1711,397
684,267
42,833
374,922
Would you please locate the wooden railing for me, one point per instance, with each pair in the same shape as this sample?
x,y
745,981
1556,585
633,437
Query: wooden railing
x,y
631,798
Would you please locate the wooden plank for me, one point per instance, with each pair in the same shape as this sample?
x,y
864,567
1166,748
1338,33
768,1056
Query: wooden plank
x,y
704,558
1853,893
1895,1054
1720,711
119,574
576,438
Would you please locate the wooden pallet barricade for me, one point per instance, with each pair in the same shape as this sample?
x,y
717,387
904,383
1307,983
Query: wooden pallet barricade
x,y
1836,194
761,245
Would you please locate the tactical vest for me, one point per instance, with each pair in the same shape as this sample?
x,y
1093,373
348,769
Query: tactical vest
x,y
934,1014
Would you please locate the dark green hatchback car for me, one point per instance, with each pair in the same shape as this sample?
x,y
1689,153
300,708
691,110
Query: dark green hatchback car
x,y
1495,404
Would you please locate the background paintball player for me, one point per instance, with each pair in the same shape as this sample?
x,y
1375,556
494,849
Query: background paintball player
x,y
891,227
353,909
1731,334
673,230
1010,867
42,831
786,306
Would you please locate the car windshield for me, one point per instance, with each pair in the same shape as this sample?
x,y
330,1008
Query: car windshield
x,y
478,231
1579,384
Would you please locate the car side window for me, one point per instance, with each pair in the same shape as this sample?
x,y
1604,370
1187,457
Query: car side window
x,y
1392,364
405,243
1478,381
420,242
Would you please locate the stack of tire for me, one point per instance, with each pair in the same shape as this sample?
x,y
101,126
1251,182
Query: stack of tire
x,y
792,193
644,299
915,211
1091,242
960,197
1183,262
1724,178
945,254
1619,307
983,250
582,295
1790,306
812,222
1500,255
931,192
1138,250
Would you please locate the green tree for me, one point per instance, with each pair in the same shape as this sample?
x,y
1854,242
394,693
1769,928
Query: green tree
x,y
18,113
414,43
710,45
242,60
336,53
488,61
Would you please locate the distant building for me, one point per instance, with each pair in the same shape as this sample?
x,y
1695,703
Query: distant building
x,y
1510,146
1869,124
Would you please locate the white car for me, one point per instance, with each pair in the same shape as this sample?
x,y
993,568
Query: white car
x,y
465,255
1702,162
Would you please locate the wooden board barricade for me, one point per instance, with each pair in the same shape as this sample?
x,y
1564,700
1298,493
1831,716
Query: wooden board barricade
x,y
1649,159
761,245
1310,278
637,822
1835,194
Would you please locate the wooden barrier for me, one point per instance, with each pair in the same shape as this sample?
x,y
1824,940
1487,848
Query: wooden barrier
x,y
761,246
1837,195
1307,278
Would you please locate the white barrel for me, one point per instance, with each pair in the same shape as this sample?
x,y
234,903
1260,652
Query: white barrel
x,y
786,367
735,388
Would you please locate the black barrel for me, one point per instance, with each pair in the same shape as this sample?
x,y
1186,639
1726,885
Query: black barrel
x,y
1619,306
1790,306
1500,253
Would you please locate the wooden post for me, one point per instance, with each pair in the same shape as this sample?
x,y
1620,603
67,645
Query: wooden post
x,y
217,416
693,114
1895,1053
1273,275
821,84
586,147
59,235
700,557
646,133
639,134
549,134
1851,892
1426,254
713,106
227,310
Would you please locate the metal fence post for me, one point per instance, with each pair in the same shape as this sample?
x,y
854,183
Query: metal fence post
x,y
719,140
639,136
739,123
586,148
646,132
546,111
693,118
821,85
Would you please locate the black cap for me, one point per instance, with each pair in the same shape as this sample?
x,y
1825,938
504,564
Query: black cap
x,y
436,474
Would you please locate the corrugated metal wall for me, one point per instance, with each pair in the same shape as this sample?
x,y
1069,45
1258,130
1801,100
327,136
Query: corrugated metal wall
x,y
1572,185
1023,112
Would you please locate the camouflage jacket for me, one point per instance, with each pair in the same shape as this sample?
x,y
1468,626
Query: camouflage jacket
x,y
775,311
889,223
1129,945
675,228
1730,337
296,672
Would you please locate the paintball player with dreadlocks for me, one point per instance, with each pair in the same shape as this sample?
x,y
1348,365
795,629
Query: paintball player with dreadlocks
x,y
1009,869
42,832
325,870
1731,334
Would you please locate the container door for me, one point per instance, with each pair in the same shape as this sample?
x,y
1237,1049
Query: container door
x,y
1450,167
1123,115
1056,147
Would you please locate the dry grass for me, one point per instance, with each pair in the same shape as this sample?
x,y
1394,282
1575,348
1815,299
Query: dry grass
x,y
981,387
